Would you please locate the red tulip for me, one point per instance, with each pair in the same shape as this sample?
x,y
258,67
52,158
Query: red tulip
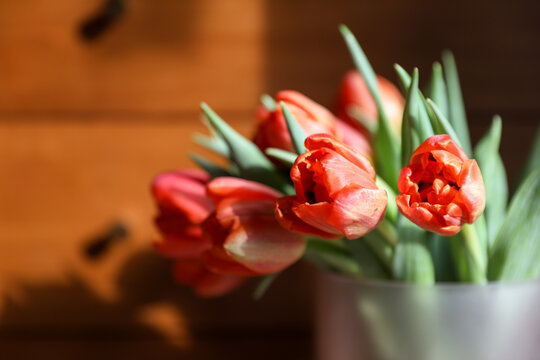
x,y
183,205
312,118
441,189
204,282
336,194
353,92
246,238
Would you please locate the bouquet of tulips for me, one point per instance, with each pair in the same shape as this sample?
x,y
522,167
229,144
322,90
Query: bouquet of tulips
x,y
387,187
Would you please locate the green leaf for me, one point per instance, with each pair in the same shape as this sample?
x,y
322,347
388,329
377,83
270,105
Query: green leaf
x,y
456,109
437,89
387,145
295,131
533,160
252,163
212,143
332,256
412,259
486,153
286,157
263,285
515,255
444,123
439,247
213,169
425,117
407,125
474,254
369,261
391,207
268,102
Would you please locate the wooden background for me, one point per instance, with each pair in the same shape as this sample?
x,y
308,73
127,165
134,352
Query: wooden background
x,y
85,125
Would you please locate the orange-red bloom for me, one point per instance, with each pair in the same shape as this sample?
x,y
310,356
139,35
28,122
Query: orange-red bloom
x,y
246,238
312,118
441,189
183,206
353,92
336,194
205,283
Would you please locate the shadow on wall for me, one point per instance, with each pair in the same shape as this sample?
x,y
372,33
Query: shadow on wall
x,y
154,318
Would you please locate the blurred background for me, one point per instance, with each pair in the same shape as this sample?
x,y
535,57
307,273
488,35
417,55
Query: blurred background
x,y
96,97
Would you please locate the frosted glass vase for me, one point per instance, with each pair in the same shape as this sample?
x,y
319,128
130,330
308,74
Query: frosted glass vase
x,y
370,320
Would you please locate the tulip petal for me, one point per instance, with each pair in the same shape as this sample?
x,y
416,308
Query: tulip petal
x,y
185,192
290,221
439,142
319,141
317,215
182,246
205,283
357,210
229,187
354,139
472,193
262,246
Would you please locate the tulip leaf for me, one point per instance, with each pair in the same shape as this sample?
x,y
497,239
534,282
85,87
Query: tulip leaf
x,y
407,125
251,162
286,157
486,153
332,256
212,143
515,254
386,143
444,123
379,245
533,160
371,263
439,247
456,108
264,285
391,207
212,169
298,136
437,89
268,102
412,260
424,120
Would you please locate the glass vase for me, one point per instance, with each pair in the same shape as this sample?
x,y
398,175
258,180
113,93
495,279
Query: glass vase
x,y
372,320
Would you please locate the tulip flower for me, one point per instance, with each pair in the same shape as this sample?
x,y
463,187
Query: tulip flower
x,y
183,206
441,189
313,119
336,194
355,96
205,283
246,238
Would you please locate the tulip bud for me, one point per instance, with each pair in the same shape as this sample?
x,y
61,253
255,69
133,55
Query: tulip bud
x,y
336,194
205,283
246,238
313,119
183,206
354,95
441,189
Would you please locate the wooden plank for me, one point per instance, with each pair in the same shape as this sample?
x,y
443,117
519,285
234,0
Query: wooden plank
x,y
159,55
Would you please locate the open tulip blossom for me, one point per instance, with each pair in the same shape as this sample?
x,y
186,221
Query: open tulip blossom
x,y
386,187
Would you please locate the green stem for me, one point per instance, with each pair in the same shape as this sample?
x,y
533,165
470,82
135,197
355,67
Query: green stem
x,y
475,256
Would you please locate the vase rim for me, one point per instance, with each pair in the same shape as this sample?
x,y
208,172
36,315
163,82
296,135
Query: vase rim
x,y
380,283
